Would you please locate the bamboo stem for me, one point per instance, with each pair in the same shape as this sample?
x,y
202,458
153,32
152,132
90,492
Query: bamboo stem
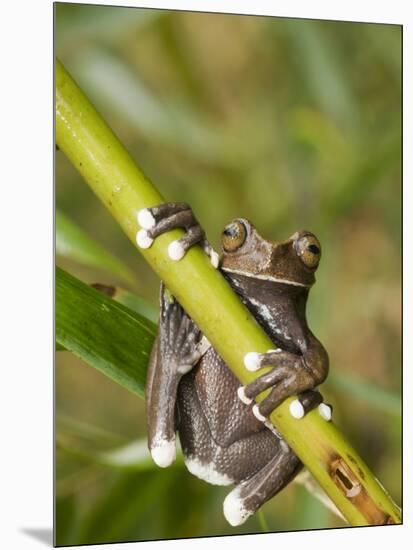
x,y
109,170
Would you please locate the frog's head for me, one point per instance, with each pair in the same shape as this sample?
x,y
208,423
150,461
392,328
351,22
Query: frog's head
x,y
293,261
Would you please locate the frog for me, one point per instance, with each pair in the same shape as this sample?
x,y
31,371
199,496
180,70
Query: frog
x,y
225,435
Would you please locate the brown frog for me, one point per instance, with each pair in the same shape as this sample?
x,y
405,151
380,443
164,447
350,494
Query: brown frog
x,y
225,436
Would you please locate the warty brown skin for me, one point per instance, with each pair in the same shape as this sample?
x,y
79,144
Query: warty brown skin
x,y
192,391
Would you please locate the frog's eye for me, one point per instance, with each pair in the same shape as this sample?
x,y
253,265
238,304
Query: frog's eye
x,y
233,236
309,250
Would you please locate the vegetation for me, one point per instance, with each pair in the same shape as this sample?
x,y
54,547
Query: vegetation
x,y
224,165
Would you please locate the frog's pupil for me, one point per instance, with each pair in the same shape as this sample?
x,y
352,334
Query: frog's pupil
x,y
231,231
313,248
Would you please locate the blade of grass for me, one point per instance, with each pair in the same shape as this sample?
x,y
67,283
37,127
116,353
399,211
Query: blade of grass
x,y
107,335
73,243
130,300
262,521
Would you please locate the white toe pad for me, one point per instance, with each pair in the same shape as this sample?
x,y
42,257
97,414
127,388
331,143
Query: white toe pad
x,y
234,510
257,414
252,361
296,409
143,239
214,257
164,453
145,218
325,411
242,396
176,251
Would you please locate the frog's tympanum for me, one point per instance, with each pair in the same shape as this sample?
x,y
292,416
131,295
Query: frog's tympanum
x,y
225,436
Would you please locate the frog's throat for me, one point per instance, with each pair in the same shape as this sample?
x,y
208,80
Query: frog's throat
x,y
264,277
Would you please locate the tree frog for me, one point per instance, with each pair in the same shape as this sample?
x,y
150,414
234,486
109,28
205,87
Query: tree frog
x,y
225,436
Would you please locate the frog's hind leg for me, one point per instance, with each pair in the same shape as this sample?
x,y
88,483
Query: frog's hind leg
x,y
178,347
250,494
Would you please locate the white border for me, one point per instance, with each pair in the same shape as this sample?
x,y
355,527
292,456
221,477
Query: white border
x,y
26,223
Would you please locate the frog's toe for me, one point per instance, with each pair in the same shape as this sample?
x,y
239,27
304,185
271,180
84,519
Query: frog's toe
x,y
242,396
274,398
176,251
252,361
235,511
305,402
145,218
165,217
165,214
213,256
163,452
143,239
257,413
296,409
325,411
262,383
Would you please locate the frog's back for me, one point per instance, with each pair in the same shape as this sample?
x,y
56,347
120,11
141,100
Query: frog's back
x,y
215,390
221,439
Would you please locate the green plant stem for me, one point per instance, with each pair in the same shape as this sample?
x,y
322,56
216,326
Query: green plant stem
x,y
203,292
262,521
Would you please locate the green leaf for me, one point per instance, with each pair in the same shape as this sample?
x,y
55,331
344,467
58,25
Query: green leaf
x,y
129,300
73,243
107,335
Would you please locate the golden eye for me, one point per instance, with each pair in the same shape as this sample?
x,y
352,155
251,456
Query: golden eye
x,y
233,236
309,250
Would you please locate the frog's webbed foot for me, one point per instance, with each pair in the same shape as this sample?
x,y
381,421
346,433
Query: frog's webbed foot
x,y
249,495
178,347
172,215
289,377
182,344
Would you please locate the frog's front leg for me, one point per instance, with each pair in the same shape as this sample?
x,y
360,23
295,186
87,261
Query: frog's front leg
x,y
178,347
293,374
171,215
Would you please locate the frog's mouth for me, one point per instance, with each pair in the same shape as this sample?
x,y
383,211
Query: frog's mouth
x,y
264,277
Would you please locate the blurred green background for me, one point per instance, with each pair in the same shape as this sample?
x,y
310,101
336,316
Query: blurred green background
x,y
291,123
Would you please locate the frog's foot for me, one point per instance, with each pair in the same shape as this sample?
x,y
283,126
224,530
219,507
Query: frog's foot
x,y
181,342
249,495
289,377
172,215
